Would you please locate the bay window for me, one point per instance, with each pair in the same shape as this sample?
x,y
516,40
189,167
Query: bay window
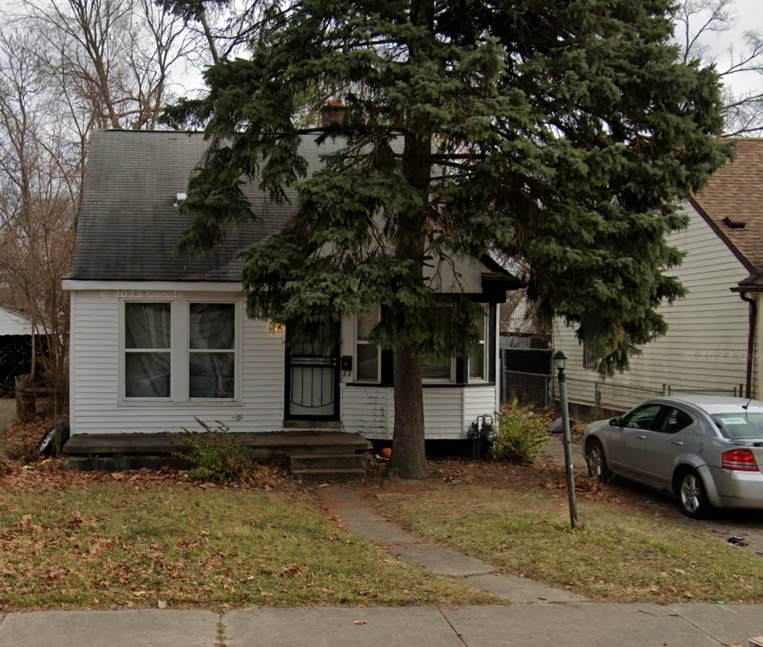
x,y
371,365
437,370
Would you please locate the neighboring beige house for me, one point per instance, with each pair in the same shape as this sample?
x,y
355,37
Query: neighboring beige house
x,y
715,332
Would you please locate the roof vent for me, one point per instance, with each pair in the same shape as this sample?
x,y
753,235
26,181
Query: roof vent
x,y
734,224
179,197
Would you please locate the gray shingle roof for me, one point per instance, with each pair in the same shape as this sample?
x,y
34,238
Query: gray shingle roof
x,y
128,224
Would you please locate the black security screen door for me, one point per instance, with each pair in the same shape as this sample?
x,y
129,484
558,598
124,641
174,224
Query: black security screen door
x,y
312,376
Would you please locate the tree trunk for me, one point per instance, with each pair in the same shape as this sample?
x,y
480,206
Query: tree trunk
x,y
408,459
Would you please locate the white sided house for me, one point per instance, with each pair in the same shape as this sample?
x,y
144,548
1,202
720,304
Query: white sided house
x,y
712,344
160,340
17,339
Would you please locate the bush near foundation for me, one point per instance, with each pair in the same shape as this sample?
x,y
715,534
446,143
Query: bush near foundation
x,y
521,435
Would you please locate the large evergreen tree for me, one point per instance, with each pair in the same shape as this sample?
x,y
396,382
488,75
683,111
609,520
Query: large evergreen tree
x,y
560,133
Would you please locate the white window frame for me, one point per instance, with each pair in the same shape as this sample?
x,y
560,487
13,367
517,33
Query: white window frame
x,y
125,351
191,351
484,342
365,342
180,351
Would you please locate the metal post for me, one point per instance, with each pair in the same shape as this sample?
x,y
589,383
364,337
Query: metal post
x,y
567,452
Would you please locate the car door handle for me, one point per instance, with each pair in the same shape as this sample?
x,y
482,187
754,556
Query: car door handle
x,y
642,436
677,443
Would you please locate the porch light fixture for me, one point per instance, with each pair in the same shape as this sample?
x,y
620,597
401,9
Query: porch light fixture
x,y
560,359
275,328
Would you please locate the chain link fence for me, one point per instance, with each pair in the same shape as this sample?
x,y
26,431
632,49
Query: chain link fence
x,y
528,378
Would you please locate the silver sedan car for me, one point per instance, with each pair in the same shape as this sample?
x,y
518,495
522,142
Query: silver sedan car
x,y
706,450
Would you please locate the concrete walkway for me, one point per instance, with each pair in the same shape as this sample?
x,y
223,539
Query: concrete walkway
x,y
358,518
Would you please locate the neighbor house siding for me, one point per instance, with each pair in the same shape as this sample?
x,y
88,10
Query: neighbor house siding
x,y
96,406
706,344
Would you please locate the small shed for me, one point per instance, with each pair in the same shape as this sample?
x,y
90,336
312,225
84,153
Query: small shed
x,y
16,340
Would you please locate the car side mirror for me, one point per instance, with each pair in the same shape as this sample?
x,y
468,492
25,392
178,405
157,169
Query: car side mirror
x,y
617,421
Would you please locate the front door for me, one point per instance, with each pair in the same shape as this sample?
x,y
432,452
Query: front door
x,y
312,373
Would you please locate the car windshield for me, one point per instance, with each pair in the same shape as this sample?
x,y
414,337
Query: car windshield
x,y
740,426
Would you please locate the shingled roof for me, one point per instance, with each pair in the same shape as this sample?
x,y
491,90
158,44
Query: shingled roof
x,y
732,204
128,223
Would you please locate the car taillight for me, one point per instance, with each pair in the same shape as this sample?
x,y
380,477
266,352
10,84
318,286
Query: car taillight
x,y
739,459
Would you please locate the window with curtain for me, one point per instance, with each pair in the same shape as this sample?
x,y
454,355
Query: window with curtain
x,y
211,353
367,352
147,350
591,355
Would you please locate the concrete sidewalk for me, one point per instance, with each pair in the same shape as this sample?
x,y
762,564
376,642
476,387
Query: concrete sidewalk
x,y
570,624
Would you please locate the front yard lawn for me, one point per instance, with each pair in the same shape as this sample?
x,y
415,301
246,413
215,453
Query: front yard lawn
x,y
136,540
71,540
631,546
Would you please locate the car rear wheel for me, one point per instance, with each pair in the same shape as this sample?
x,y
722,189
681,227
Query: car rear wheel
x,y
691,495
597,463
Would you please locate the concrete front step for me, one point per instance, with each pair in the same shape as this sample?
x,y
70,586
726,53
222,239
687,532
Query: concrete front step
x,y
116,452
327,461
322,475
328,467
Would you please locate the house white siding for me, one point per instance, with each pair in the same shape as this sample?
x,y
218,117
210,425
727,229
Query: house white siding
x,y
479,401
448,411
98,405
95,402
705,348
368,410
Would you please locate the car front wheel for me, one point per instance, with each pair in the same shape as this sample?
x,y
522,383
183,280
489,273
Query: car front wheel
x,y
691,495
597,463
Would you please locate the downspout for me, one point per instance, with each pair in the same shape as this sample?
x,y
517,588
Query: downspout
x,y
751,327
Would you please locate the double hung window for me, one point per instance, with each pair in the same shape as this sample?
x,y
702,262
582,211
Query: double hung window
x,y
478,356
369,366
211,354
147,350
179,350
441,370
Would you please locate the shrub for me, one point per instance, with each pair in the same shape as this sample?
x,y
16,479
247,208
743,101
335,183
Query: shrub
x,y
215,453
521,435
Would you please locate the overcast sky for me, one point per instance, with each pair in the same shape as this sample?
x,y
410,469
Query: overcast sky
x,y
748,17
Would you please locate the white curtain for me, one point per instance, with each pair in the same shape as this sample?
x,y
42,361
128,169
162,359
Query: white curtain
x,y
212,329
147,346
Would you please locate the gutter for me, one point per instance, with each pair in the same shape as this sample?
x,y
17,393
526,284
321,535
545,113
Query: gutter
x,y
751,329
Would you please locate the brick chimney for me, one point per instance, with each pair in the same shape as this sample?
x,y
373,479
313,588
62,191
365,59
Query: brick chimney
x,y
333,113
